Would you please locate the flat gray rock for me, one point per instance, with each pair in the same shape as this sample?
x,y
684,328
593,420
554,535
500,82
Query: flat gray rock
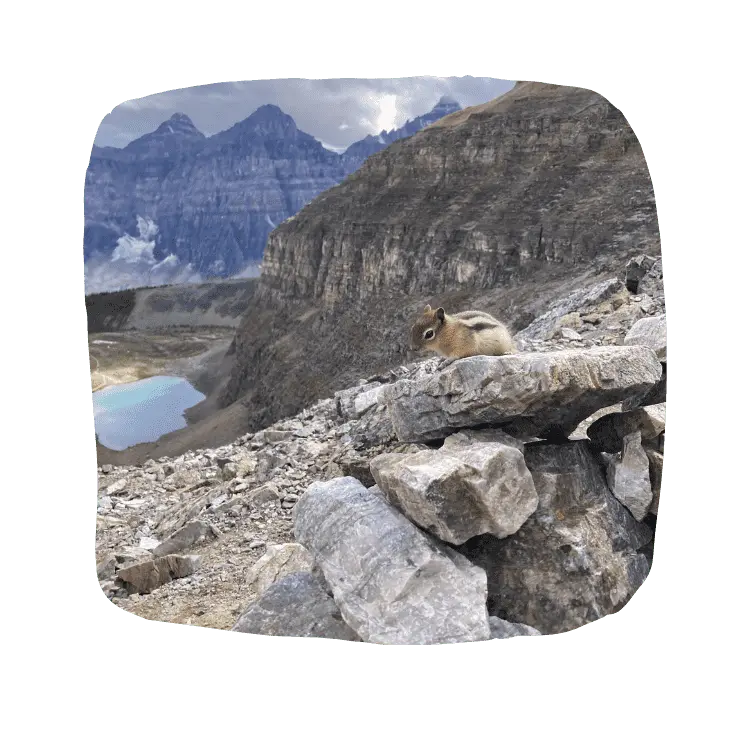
x,y
576,559
392,582
476,483
528,395
192,533
298,606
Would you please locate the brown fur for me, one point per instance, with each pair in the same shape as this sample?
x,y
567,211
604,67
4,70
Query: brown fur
x,y
464,334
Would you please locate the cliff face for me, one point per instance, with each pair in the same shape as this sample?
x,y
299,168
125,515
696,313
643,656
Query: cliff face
x,y
211,201
505,206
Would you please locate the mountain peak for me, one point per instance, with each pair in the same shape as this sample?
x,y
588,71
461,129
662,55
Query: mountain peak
x,y
446,100
178,124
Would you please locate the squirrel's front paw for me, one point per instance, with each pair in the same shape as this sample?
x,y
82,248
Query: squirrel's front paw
x,y
445,363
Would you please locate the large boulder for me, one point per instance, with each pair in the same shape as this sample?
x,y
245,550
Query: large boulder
x,y
533,394
628,477
476,483
576,559
296,605
392,582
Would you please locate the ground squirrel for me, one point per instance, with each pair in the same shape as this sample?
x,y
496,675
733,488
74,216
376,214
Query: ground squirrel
x,y
464,334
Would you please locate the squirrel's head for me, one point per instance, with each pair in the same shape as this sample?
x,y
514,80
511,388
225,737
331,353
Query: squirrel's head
x,y
425,331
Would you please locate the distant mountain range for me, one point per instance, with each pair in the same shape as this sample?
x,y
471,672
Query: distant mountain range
x,y
176,206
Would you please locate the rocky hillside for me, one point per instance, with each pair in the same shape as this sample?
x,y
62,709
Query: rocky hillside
x,y
421,506
540,195
214,303
205,206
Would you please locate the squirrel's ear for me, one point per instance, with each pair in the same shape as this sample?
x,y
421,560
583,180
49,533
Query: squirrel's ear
x,y
427,309
440,313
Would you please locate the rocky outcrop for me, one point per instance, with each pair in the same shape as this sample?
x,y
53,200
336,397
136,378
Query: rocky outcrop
x,y
534,394
576,559
393,584
476,483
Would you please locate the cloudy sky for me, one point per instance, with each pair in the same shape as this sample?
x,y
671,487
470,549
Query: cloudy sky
x,y
336,111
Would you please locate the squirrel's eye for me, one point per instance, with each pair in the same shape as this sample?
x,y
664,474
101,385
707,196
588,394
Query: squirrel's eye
x,y
429,334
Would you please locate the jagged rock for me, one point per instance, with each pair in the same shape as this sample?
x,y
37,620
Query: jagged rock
x,y
190,534
528,395
117,487
297,605
144,577
392,582
148,542
607,432
651,332
655,464
268,494
503,629
576,559
357,467
570,334
628,476
279,561
476,483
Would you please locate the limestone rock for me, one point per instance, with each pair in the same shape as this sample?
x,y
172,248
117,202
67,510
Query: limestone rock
x,y
628,477
298,606
476,483
607,433
279,561
144,577
576,559
651,332
503,629
531,394
392,582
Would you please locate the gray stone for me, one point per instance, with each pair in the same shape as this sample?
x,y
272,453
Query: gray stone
x,y
628,477
576,559
297,606
607,433
145,577
504,629
392,582
117,487
635,270
279,561
651,332
476,483
570,334
532,394
190,534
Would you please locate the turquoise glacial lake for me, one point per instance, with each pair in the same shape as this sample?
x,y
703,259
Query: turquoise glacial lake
x,y
143,411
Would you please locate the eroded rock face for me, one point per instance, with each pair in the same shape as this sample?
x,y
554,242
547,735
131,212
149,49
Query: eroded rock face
x,y
576,559
392,582
628,477
297,605
531,394
476,483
